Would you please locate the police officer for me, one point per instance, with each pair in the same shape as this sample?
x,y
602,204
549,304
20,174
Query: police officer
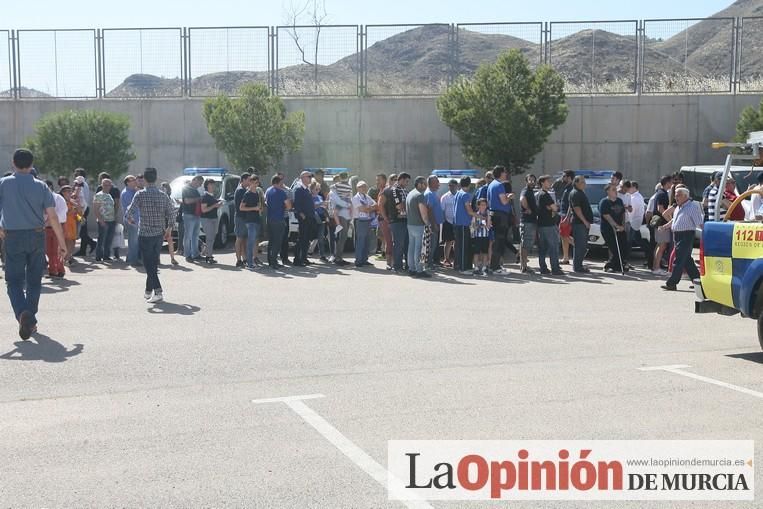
x,y
24,203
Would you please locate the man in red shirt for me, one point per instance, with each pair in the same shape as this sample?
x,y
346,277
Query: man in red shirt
x,y
729,195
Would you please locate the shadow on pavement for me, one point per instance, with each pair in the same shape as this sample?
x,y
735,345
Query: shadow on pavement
x,y
756,357
57,285
168,308
42,349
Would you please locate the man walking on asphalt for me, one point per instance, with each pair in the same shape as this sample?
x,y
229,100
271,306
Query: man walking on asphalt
x,y
24,204
157,215
686,219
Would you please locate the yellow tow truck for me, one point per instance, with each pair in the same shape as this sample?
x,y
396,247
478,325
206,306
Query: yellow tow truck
x,y
731,253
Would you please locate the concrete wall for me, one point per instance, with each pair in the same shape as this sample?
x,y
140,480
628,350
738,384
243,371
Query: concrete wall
x,y
642,136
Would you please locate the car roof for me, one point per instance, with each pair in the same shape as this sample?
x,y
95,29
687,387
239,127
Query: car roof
x,y
710,169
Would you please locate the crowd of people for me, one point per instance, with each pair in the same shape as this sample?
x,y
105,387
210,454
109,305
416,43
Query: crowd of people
x,y
470,229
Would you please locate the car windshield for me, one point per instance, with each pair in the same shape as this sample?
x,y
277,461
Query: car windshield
x,y
745,179
595,193
177,186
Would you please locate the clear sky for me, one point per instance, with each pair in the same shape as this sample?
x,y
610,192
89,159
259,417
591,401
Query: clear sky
x,y
159,13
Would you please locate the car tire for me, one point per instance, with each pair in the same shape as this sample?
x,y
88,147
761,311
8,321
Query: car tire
x,y
223,233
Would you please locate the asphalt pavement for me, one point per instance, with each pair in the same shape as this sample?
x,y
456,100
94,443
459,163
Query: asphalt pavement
x,y
116,403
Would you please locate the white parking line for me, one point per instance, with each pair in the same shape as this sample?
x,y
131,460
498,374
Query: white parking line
x,y
678,370
341,442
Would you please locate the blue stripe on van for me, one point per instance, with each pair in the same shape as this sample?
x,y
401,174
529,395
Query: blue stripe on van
x,y
717,239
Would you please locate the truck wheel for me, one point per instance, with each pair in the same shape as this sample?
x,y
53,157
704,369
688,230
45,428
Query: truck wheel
x,y
760,330
222,234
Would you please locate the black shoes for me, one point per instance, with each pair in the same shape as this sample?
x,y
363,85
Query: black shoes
x,y
26,325
669,288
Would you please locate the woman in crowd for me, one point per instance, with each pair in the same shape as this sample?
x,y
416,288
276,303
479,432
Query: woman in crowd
x,y
73,217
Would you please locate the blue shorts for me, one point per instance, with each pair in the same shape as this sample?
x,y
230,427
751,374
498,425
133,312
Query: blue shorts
x,y
239,227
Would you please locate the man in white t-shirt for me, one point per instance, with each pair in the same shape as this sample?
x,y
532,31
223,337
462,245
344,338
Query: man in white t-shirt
x,y
636,216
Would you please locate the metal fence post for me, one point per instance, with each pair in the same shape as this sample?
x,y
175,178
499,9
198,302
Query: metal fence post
x,y
274,50
98,83
362,63
12,63
736,50
639,56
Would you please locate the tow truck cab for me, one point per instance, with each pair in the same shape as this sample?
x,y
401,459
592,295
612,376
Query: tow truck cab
x,y
731,255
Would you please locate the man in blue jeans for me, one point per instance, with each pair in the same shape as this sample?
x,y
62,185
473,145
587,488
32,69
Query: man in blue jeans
x,y
418,219
581,223
157,215
278,203
363,207
24,203
191,208
128,193
395,215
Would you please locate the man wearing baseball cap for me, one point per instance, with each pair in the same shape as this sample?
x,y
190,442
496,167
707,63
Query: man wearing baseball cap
x,y
24,204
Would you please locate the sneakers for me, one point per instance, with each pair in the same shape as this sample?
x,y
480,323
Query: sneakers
x,y
476,272
660,272
156,298
147,295
240,264
500,272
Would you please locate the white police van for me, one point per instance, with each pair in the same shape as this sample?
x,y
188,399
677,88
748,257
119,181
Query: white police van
x,y
224,190
445,176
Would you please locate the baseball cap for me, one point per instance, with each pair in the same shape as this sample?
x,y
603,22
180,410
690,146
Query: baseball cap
x,y
305,174
362,183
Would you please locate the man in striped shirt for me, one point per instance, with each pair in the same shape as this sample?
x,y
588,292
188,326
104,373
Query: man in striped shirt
x,y
687,218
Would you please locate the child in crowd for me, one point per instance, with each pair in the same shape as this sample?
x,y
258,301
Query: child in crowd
x,y
480,229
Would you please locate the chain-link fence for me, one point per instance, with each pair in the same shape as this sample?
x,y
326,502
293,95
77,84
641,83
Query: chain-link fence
x,y
481,43
56,63
598,57
688,55
221,60
404,60
142,62
317,60
6,65
714,55
751,55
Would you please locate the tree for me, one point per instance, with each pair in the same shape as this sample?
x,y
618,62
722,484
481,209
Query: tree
x,y
254,129
506,112
94,140
750,120
316,13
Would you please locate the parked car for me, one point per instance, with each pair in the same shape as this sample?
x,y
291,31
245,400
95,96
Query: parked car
x,y
596,182
225,189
